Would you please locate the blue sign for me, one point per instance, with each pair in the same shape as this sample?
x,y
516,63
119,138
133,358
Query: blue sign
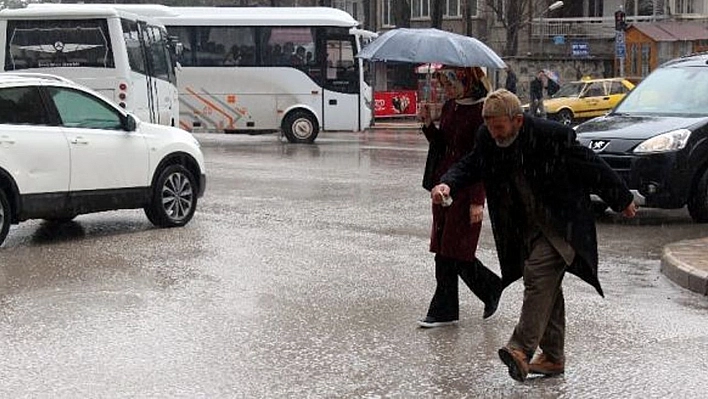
x,y
620,47
580,48
558,40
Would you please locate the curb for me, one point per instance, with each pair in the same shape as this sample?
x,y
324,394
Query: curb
x,y
395,126
677,269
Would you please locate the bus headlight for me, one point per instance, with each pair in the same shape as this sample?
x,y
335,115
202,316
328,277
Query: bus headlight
x,y
671,141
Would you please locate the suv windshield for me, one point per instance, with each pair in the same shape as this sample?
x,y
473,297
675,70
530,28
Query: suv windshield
x,y
670,91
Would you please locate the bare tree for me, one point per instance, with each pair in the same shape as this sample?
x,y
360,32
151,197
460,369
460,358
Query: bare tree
x,y
513,15
436,13
401,13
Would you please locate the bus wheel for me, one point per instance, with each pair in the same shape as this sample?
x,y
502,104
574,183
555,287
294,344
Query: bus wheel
x,y
300,127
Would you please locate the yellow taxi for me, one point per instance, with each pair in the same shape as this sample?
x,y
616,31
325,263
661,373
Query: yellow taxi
x,y
586,98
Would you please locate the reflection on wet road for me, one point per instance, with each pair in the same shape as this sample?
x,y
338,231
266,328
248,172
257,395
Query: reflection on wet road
x,y
302,275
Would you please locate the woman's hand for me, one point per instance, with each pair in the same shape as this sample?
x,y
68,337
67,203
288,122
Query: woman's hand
x,y
424,114
476,213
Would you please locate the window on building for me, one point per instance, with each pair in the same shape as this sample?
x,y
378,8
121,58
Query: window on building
x,y
633,60
452,8
420,8
473,8
646,57
386,13
685,7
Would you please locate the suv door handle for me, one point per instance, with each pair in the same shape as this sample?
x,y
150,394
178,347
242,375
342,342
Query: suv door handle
x,y
79,140
6,139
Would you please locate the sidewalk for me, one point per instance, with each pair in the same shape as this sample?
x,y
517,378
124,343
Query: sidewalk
x,y
686,264
396,123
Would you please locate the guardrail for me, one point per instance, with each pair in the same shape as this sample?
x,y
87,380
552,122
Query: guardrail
x,y
597,27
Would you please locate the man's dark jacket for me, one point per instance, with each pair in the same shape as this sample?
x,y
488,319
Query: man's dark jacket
x,y
536,89
560,173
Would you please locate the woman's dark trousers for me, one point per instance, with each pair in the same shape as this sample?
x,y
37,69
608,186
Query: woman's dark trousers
x,y
445,305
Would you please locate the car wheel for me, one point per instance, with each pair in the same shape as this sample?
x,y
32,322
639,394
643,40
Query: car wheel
x,y
300,127
5,216
698,203
174,197
565,117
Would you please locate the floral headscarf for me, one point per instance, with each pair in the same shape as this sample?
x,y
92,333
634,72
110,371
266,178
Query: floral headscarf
x,y
473,81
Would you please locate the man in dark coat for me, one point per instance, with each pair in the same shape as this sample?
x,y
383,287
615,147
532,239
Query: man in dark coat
x,y
510,83
538,181
536,94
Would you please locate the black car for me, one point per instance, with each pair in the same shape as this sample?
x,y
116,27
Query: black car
x,y
657,137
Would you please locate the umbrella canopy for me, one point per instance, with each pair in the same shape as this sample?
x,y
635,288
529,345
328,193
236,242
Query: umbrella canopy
x,y
431,46
552,75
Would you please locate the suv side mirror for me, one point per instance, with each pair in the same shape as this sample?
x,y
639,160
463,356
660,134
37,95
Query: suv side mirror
x,y
129,123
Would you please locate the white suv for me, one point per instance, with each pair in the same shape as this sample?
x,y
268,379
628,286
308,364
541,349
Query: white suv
x,y
66,151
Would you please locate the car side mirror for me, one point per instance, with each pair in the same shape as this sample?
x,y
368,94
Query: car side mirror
x,y
129,123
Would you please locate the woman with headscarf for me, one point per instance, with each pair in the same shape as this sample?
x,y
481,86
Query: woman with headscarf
x,y
456,227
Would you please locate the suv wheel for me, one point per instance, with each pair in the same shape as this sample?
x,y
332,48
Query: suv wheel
x,y
5,216
698,203
174,197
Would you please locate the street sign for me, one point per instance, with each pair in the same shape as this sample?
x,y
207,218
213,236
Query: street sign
x,y
620,46
580,48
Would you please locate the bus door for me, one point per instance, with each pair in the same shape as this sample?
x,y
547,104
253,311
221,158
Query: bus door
x,y
162,72
341,109
146,36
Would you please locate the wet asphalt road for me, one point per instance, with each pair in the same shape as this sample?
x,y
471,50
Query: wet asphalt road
x,y
302,275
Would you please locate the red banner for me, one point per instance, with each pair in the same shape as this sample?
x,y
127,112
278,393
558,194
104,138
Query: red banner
x,y
395,103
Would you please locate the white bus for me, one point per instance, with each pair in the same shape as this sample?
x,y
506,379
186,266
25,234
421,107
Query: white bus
x,y
264,69
125,56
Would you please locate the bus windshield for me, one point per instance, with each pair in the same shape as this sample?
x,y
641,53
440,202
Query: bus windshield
x,y
58,43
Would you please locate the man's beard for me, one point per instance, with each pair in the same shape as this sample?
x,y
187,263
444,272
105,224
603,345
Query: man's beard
x,y
508,141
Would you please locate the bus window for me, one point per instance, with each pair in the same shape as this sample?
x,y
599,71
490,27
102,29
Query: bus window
x,y
136,57
288,46
219,45
158,53
184,35
58,43
342,70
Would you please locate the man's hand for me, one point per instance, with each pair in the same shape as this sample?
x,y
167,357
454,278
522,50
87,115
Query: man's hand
x,y
630,211
476,213
439,192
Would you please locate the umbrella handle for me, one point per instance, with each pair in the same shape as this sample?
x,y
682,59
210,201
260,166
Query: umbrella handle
x,y
426,90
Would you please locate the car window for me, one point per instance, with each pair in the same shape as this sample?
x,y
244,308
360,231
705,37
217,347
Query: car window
x,y
79,109
618,88
595,89
571,89
22,106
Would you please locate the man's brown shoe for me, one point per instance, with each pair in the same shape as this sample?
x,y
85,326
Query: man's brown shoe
x,y
517,362
546,365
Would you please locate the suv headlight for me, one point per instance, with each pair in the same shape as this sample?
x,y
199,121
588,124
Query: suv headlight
x,y
671,141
